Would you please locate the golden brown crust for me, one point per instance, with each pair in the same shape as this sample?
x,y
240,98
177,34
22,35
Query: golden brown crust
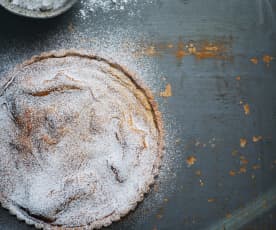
x,y
153,108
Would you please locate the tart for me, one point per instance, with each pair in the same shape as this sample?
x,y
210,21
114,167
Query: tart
x,y
81,141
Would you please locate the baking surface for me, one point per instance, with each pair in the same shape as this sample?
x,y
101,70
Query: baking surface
x,y
220,115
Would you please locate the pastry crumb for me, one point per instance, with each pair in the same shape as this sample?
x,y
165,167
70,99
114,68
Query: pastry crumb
x,y
232,173
254,60
243,142
228,215
257,138
211,200
167,92
256,166
246,109
267,59
198,172
191,160
242,169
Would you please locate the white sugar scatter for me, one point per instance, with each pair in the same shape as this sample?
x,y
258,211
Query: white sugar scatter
x,y
91,6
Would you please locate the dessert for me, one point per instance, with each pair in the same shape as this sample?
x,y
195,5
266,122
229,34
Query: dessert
x,y
81,141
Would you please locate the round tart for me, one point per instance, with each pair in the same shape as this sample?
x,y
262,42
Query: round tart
x,y
81,141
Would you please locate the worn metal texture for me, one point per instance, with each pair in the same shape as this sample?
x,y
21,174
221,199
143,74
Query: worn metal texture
x,y
217,56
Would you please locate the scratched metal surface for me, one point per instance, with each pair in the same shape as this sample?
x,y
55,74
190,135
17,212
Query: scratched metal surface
x,y
204,105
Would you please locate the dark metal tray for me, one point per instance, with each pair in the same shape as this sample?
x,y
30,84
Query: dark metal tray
x,y
205,115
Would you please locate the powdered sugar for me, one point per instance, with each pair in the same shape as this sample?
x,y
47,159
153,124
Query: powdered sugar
x,y
39,4
92,6
84,145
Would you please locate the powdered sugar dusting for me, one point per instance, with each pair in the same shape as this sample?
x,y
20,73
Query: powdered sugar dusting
x,y
92,6
77,151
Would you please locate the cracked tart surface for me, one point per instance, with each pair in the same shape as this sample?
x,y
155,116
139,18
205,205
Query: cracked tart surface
x,y
81,141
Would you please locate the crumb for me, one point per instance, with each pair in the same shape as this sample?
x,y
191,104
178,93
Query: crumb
x,y
191,160
241,102
267,59
257,138
150,51
255,167
234,153
201,183
228,215
242,169
197,143
71,28
198,173
238,78
246,108
211,200
254,60
177,141
243,142
232,173
243,161
166,200
159,216
170,46
191,49
253,177
167,92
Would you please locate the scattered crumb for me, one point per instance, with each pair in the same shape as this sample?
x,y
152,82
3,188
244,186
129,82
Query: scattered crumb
x,y
238,78
246,108
228,215
255,167
241,102
197,143
243,142
166,200
71,28
198,172
257,138
151,51
242,169
211,200
253,177
243,161
159,216
201,183
191,160
177,141
254,60
170,46
167,92
180,53
232,173
191,49
235,153
267,59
